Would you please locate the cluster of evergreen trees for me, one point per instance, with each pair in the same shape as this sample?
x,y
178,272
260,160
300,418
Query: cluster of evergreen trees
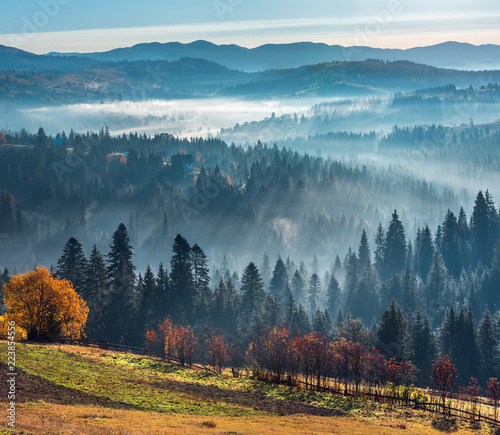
x,y
55,191
415,298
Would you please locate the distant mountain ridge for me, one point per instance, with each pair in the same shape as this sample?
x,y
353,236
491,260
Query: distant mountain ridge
x,y
453,55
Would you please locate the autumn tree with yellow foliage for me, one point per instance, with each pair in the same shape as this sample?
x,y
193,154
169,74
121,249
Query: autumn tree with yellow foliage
x,y
44,306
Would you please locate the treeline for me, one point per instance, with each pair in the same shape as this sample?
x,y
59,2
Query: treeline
x,y
347,363
414,298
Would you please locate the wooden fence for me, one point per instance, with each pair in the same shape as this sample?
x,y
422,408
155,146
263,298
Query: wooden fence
x,y
434,407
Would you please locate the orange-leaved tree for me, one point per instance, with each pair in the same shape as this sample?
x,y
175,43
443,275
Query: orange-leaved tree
x,y
444,375
217,352
46,307
184,343
494,392
151,340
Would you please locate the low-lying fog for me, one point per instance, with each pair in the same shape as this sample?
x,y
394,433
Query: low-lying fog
x,y
291,122
184,118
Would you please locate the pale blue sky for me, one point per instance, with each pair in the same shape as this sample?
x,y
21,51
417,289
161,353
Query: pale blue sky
x,y
91,25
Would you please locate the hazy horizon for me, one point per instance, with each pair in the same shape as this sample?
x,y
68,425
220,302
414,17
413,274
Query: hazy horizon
x,y
65,26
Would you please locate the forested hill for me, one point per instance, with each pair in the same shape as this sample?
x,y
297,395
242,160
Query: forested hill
x,y
246,199
203,231
28,78
272,56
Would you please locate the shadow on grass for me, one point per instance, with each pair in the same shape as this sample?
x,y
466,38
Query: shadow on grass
x,y
30,388
445,424
246,399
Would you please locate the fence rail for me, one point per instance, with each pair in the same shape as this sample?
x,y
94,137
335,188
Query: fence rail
x,y
401,401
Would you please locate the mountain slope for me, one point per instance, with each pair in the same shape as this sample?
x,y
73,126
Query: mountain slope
x,y
270,56
69,389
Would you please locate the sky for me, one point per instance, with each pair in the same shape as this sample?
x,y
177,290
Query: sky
x,y
42,26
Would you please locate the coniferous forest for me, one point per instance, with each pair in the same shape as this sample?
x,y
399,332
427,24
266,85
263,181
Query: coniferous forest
x,y
233,217
237,240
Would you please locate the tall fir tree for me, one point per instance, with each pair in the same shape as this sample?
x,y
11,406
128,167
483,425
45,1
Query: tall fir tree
x,y
72,266
391,289
201,282
409,290
164,288
425,253
450,245
488,347
333,295
391,332
149,301
436,288
181,274
297,286
314,289
481,229
363,251
252,292
379,249
97,294
266,271
423,347
279,280
367,302
394,247
123,303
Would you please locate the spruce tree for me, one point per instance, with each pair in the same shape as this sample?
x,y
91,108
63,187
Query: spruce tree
x,y
391,332
379,249
363,251
279,280
252,292
121,271
301,320
149,300
218,305
72,266
409,295
230,306
450,247
425,253
481,229
318,323
488,347
297,286
98,295
271,312
366,304
290,309
394,247
201,282
164,288
333,295
351,279
266,271
436,285
181,274
391,289
423,347
314,289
